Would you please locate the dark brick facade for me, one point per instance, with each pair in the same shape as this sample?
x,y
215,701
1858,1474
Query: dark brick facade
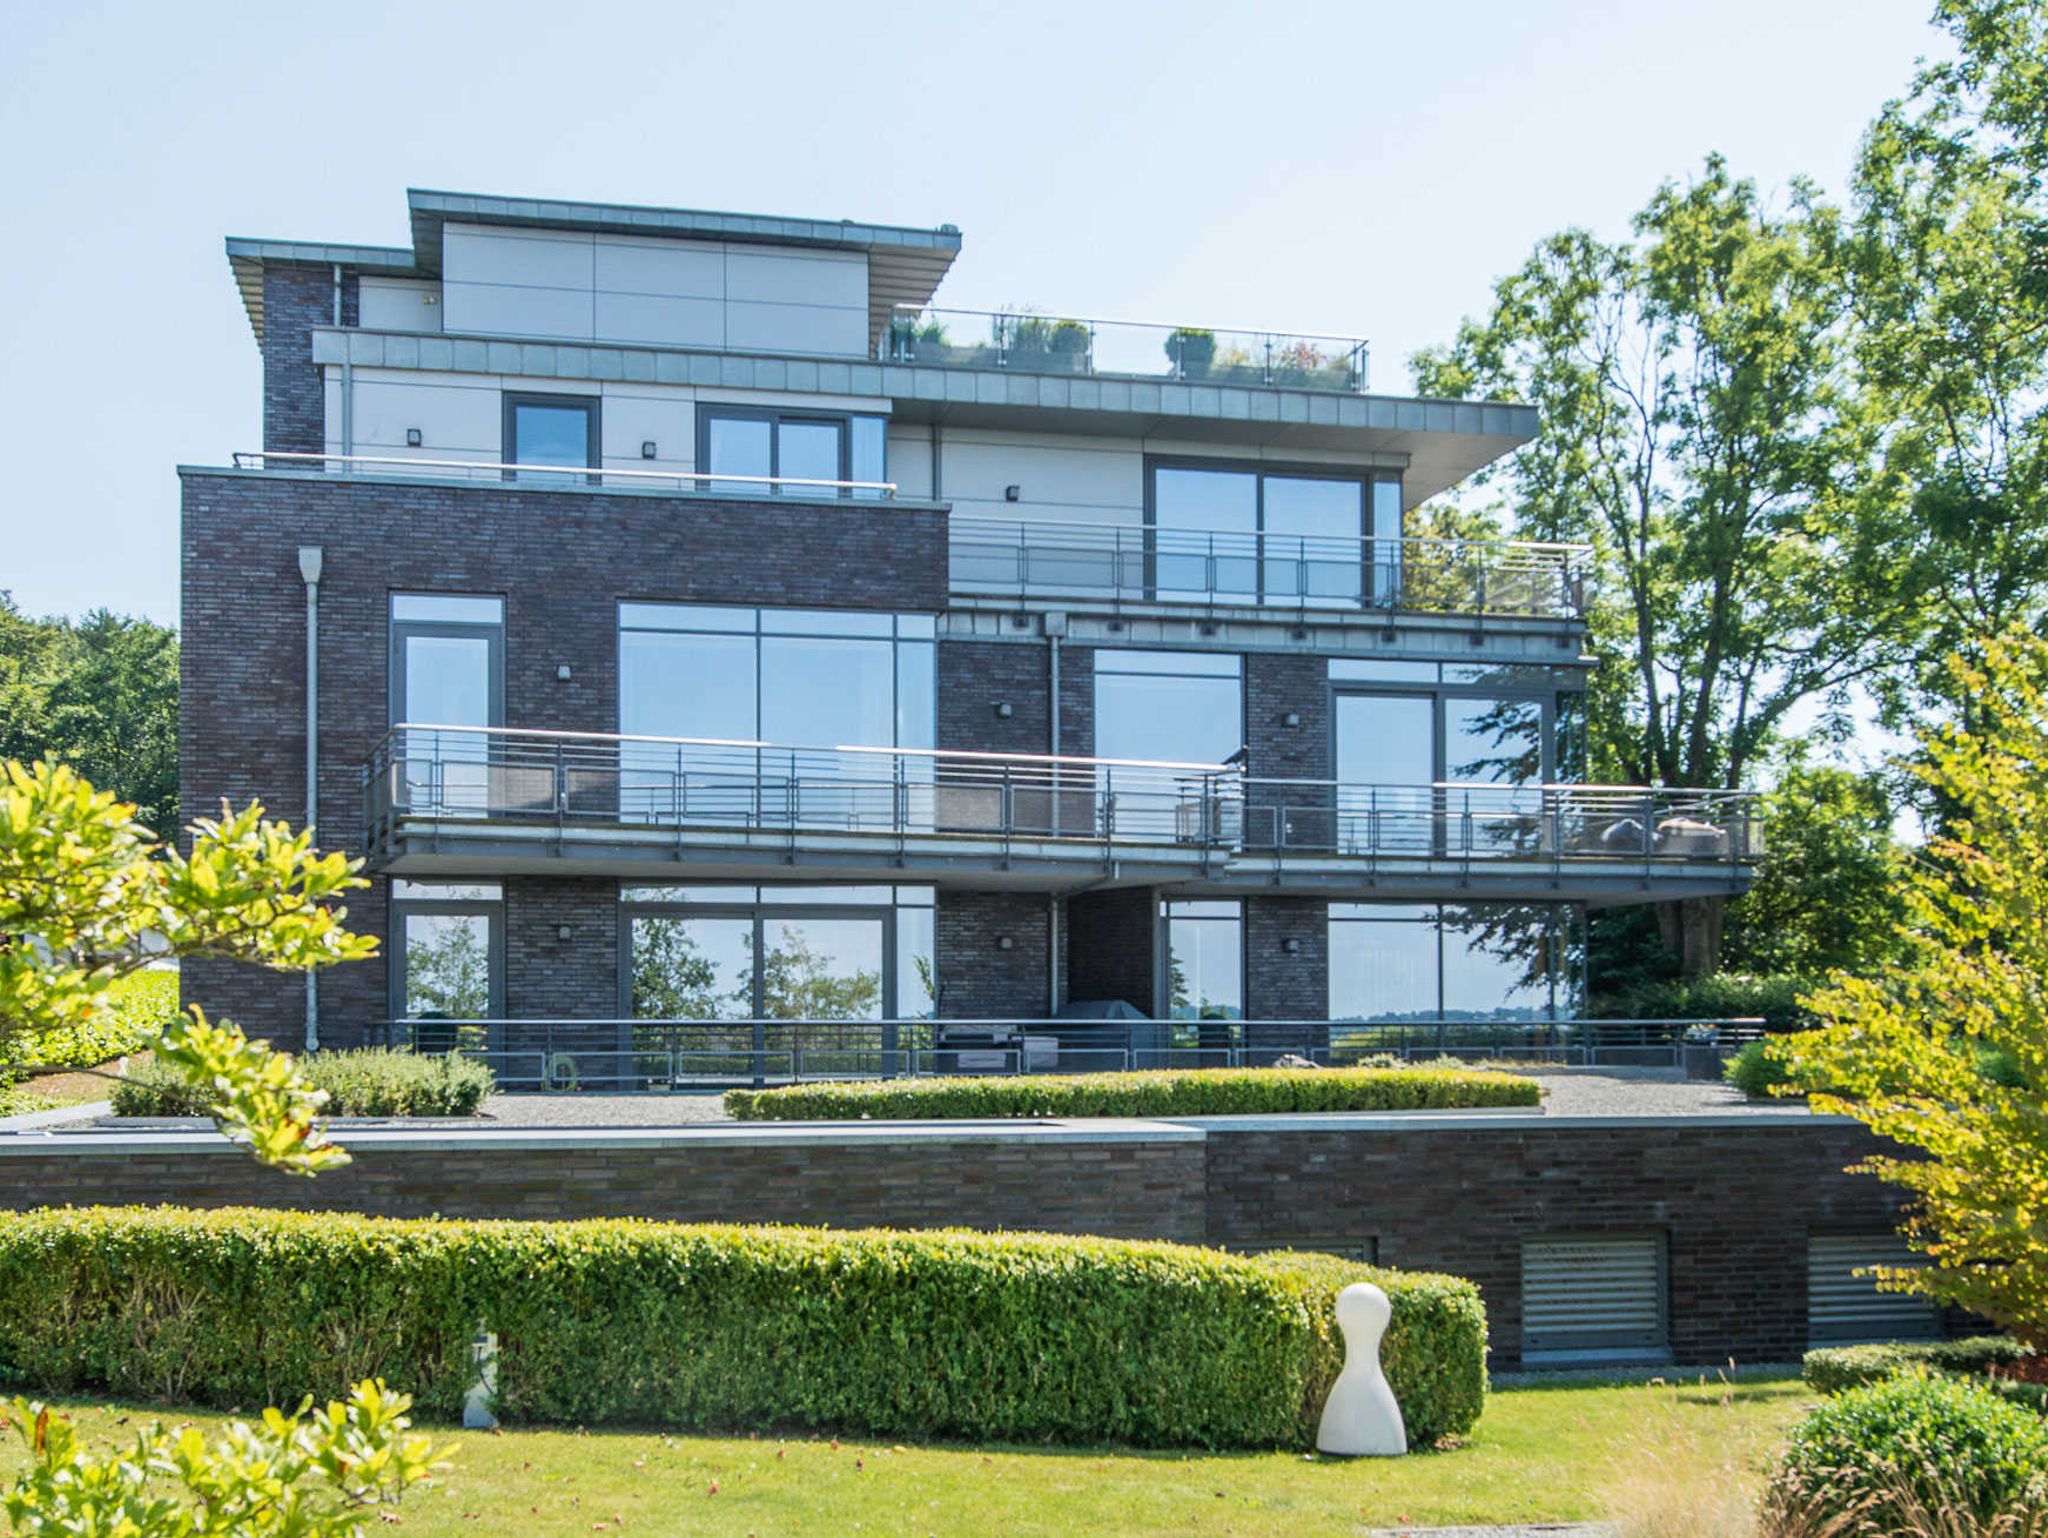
x,y
1735,1201
295,300
978,979
974,678
1110,944
1283,985
562,560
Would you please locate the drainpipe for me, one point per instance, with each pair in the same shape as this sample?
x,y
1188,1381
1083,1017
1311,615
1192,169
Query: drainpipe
x,y
310,560
938,485
1055,626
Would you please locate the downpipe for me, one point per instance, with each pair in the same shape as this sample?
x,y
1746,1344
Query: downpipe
x,y
311,559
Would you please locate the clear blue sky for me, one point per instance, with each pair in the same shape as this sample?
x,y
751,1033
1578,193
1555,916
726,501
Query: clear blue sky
x,y
1344,166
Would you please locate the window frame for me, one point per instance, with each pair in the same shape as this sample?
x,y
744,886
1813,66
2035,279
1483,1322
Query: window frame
x,y
400,631
1365,477
398,909
775,416
1439,694
1162,951
592,407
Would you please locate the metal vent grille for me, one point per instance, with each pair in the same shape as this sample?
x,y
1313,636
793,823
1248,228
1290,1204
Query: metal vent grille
x,y
1596,1295
1843,1308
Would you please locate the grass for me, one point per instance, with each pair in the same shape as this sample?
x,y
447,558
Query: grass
x,y
1565,1453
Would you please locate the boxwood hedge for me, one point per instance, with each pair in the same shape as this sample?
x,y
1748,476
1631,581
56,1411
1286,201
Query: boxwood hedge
x,y
1162,1092
369,1081
946,1333
1832,1369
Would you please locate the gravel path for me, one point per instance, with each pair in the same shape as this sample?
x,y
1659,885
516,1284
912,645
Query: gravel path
x,y
1567,1092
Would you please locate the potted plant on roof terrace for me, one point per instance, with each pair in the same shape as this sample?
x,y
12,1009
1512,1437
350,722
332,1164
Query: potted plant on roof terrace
x,y
1191,350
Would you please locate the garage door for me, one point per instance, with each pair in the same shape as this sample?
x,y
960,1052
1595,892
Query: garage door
x,y
1593,1297
1843,1308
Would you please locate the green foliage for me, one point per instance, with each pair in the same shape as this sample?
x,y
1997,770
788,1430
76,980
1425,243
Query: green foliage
x,y
140,1008
1892,1451
994,1336
372,1081
1774,999
1756,1071
1906,1051
88,896
313,1474
1160,1092
100,695
1832,1369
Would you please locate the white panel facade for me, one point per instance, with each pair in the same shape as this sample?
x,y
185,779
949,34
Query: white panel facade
x,y
686,269
400,304
797,328
668,421
500,309
666,319
457,416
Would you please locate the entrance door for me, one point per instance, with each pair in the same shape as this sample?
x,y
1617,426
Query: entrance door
x,y
1386,766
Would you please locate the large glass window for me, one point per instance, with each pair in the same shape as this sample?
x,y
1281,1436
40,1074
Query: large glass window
x,y
779,952
447,682
1179,707
446,950
1204,960
551,430
1407,723
1483,961
1260,535
770,444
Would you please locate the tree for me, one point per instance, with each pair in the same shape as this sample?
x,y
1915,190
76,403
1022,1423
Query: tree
x,y
1901,1051
89,895
1695,415
314,1474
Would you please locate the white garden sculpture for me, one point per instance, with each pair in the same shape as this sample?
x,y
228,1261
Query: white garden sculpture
x,y
1361,1418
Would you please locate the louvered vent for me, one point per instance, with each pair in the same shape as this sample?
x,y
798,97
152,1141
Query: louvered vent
x,y
1843,1308
1593,1296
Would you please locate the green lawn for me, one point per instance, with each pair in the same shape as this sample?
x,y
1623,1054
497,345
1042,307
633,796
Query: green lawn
x,y
1562,1453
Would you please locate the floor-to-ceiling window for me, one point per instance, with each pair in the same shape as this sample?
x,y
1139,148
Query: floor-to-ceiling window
x,y
1429,961
816,687
1165,707
1204,960
1273,535
768,447
447,679
446,950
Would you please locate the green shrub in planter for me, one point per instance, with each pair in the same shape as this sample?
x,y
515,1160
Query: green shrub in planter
x,y
998,1336
1162,1092
1755,1072
1832,1369
370,1082
1890,1453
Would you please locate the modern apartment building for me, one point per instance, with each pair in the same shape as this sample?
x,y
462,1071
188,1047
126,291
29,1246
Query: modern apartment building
x,y
688,622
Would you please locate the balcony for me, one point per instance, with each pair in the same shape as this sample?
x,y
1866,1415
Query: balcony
x,y
1021,560
476,801
1027,343
494,472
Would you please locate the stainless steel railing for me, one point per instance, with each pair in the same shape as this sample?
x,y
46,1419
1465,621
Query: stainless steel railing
x,y
1137,563
1029,343
561,475
596,779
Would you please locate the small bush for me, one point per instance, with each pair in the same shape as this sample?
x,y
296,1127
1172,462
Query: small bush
x,y
1164,1092
1754,1071
1886,1454
993,1336
1772,997
144,1003
1832,1369
371,1082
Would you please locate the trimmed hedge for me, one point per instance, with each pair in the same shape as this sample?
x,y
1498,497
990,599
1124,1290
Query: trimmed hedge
x,y
372,1081
1887,1456
951,1333
1164,1092
144,1004
1833,1369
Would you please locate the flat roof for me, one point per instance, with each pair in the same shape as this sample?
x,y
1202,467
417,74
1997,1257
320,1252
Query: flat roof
x,y
905,263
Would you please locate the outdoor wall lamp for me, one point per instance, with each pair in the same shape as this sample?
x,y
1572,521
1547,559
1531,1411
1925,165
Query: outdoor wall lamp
x,y
562,673
564,932
1291,946
1005,943
647,448
1012,493
412,437
1292,718
1005,710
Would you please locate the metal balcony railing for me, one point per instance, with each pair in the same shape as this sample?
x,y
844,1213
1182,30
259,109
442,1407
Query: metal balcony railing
x,y
596,779
543,476
656,1055
1132,563
1049,344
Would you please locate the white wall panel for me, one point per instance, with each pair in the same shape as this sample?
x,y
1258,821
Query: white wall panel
x,y
454,421
534,258
627,421
666,319
835,278
499,309
687,269
400,304
751,326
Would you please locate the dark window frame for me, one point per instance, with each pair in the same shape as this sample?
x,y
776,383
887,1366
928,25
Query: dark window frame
x,y
592,407
1365,477
1438,694
399,631
490,909
775,416
758,914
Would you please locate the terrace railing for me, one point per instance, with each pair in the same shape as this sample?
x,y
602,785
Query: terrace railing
x,y
636,1055
1047,344
1135,563
595,779
558,476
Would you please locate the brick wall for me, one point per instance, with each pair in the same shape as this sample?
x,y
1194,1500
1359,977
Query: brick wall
x,y
295,300
977,979
1110,939
1280,986
973,676
562,559
1736,1200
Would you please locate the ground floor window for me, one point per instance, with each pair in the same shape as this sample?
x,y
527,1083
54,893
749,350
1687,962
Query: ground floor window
x,y
1204,960
778,952
447,950
1457,961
